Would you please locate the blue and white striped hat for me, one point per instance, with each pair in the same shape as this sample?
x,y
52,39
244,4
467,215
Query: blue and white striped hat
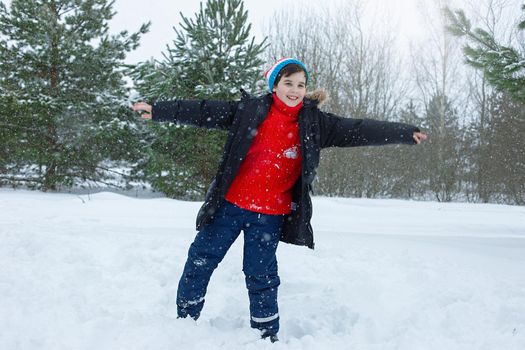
x,y
274,70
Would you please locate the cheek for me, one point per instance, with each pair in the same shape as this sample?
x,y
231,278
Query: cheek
x,y
282,90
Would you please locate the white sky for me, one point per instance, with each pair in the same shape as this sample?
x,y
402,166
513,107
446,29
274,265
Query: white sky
x,y
164,14
404,15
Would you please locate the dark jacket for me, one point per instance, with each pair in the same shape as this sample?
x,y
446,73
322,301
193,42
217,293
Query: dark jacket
x,y
317,130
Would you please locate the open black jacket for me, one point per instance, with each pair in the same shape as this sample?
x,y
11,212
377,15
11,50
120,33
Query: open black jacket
x,y
317,130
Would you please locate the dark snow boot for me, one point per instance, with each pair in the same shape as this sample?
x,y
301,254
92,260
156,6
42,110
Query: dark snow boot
x,y
195,318
273,337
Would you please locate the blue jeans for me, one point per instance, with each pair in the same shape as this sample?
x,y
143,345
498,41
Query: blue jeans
x,y
261,236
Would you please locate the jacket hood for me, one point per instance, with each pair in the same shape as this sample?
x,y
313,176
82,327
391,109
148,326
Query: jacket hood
x,y
319,97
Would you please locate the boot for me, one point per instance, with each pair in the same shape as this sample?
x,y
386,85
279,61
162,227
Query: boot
x,y
195,318
273,337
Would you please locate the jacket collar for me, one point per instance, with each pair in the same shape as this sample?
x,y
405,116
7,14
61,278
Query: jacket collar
x,y
309,103
284,108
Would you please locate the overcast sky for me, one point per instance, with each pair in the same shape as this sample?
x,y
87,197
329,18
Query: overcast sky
x,y
405,17
164,14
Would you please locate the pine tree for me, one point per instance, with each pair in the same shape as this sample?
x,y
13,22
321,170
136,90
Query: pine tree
x,y
499,160
506,150
61,82
407,175
212,57
503,66
442,155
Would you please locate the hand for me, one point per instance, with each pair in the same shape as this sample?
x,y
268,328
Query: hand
x,y
142,106
420,136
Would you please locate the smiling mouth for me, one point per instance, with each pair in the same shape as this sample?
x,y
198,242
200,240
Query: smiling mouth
x,y
293,98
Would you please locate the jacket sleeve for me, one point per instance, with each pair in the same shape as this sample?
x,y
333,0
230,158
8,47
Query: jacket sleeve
x,y
348,132
210,114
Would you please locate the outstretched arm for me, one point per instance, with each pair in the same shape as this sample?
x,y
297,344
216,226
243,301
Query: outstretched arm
x,y
211,114
348,132
420,137
143,108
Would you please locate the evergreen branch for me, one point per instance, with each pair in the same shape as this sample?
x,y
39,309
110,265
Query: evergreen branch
x,y
111,171
98,181
25,128
521,25
14,179
500,64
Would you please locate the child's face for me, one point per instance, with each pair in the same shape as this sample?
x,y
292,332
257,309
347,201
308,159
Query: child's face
x,y
291,89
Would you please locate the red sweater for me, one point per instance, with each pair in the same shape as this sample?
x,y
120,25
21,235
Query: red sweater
x,y
273,164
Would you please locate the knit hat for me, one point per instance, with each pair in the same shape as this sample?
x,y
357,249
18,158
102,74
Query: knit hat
x,y
271,74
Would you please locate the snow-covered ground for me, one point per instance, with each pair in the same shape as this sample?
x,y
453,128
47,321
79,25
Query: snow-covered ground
x,y
101,272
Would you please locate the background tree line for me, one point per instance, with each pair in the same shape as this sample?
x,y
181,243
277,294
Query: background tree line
x,y
65,94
